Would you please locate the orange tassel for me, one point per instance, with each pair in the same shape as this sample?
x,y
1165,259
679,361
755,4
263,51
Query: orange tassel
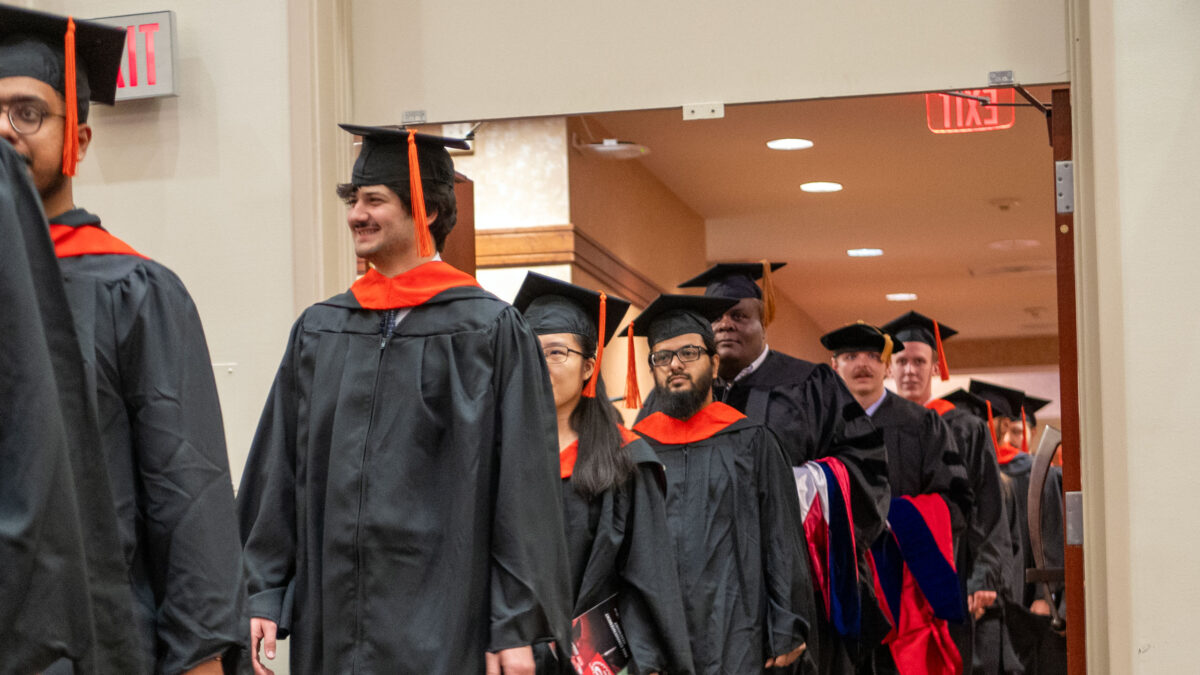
x,y
633,397
942,365
590,389
992,426
768,292
1024,433
70,158
417,196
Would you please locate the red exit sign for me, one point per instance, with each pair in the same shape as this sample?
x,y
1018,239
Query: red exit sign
x,y
947,114
148,62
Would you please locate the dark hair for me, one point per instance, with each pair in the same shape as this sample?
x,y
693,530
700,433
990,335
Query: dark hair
x,y
604,461
439,199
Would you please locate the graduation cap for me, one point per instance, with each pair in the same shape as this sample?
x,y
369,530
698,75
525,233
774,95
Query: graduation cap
x,y
1032,405
916,327
737,280
393,155
862,337
968,402
79,59
670,316
1001,401
554,306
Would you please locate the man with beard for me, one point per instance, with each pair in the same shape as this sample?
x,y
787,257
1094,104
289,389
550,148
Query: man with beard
x,y
815,419
984,549
922,457
401,507
147,368
731,503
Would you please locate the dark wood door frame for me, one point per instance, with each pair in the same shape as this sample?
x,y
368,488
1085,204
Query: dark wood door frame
x,y
1068,350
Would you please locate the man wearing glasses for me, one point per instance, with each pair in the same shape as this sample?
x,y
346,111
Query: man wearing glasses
x,y
731,502
148,371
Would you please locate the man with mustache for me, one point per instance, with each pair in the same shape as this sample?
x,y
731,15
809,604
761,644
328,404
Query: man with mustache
x,y
985,547
813,415
922,457
731,502
401,508
147,366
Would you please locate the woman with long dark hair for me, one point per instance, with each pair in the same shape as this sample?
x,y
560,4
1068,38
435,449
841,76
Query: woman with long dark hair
x,y
615,517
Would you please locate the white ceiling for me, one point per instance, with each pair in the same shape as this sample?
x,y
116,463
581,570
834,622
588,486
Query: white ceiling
x,y
930,201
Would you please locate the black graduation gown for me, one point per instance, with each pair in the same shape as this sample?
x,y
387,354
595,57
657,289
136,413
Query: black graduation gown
x,y
1019,471
63,591
922,457
985,551
151,379
401,507
733,514
814,416
618,542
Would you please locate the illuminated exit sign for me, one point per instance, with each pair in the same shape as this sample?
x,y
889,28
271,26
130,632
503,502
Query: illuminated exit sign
x,y
946,114
148,64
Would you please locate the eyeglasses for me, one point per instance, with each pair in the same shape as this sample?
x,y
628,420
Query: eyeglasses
x,y
559,355
26,116
663,357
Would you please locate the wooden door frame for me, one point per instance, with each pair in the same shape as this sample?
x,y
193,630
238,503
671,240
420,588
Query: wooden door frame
x,y
1068,349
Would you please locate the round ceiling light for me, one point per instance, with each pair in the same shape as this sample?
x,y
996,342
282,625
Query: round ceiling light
x,y
864,252
790,144
821,186
901,297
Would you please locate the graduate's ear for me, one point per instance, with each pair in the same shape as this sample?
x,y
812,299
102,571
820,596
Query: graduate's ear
x,y
833,362
589,367
716,363
85,139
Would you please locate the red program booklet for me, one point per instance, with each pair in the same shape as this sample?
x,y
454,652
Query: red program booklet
x,y
598,645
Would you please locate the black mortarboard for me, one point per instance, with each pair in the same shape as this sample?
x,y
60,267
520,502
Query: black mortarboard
x,y
862,337
968,402
1006,402
674,315
389,155
1032,405
916,327
554,306
737,281
79,59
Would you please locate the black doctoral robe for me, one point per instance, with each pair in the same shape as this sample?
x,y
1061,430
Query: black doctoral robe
x,y
150,377
814,416
401,507
922,457
734,517
63,591
618,542
985,551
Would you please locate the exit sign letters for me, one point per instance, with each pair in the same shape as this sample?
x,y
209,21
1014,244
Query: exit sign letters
x,y
947,114
148,64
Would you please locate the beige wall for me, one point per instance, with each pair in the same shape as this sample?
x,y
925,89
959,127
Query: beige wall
x,y
1135,102
201,183
520,173
473,59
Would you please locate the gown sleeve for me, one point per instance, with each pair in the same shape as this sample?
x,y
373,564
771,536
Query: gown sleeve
x,y
191,536
530,578
267,498
650,604
788,582
944,472
988,533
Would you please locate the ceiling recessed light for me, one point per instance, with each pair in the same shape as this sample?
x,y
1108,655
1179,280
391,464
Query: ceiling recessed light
x,y
1014,244
901,297
821,186
790,144
864,252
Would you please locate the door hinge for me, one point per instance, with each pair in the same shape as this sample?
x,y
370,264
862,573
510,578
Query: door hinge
x,y
1064,187
1074,517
